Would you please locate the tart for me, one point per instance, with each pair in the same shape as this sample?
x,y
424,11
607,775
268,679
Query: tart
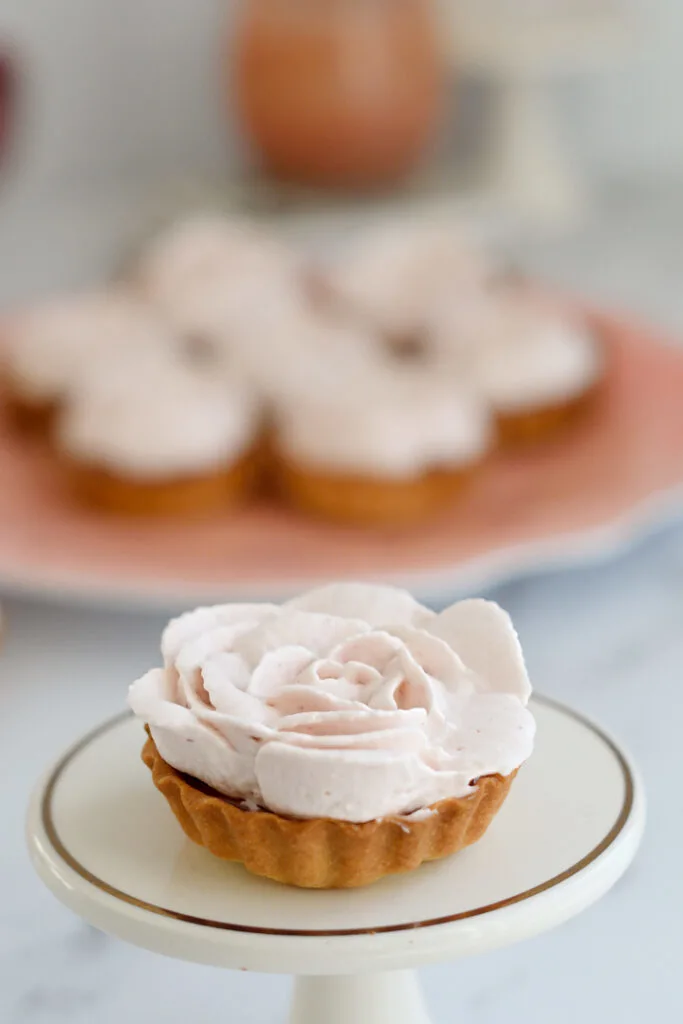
x,y
343,736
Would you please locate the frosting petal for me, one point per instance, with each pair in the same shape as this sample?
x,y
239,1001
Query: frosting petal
x,y
153,699
486,640
489,737
296,700
317,632
374,604
433,655
278,669
321,783
377,649
193,624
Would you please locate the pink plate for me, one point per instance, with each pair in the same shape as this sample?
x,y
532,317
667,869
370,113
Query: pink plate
x,y
618,473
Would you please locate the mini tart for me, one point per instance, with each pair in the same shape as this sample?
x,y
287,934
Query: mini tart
x,y
159,438
212,491
382,448
367,501
45,348
529,426
541,368
323,853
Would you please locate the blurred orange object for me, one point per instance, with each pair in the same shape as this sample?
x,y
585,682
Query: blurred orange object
x,y
341,93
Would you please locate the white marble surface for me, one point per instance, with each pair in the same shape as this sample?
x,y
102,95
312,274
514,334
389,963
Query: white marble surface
x,y
608,639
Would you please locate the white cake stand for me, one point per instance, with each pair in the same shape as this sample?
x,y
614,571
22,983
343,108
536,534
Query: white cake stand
x,y
522,50
106,844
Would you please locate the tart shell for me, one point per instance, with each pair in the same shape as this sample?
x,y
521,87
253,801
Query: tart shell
x,y
364,501
323,853
98,488
544,423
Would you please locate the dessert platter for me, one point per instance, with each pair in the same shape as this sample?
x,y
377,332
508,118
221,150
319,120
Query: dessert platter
x,y
234,418
342,787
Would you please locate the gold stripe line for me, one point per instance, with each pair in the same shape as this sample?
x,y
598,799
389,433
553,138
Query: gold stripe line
x,y
99,883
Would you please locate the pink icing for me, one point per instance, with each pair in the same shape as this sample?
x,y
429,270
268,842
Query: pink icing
x,y
352,702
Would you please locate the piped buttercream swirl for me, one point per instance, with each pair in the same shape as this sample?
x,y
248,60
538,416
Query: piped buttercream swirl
x,y
351,702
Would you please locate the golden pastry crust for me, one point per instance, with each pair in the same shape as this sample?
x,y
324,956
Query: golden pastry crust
x,y
98,488
324,853
364,501
546,422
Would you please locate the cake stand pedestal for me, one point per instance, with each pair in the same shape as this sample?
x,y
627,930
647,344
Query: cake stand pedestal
x,y
522,53
106,844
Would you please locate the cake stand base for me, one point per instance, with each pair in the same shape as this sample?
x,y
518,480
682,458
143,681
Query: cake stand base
x,y
527,165
522,54
107,845
359,999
